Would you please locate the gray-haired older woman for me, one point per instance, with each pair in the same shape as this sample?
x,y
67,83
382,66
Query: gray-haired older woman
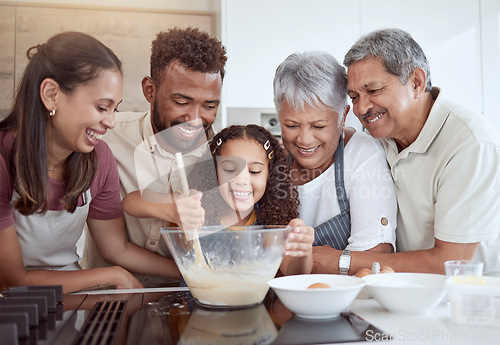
x,y
345,187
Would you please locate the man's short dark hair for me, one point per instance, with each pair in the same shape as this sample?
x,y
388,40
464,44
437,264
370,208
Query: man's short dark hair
x,y
192,48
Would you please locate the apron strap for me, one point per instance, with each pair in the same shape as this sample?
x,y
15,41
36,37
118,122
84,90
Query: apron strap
x,y
336,231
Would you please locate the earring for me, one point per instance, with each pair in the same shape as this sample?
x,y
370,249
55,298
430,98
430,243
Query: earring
x,y
343,132
52,112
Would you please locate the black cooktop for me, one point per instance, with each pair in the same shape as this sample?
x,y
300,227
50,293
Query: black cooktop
x,y
172,317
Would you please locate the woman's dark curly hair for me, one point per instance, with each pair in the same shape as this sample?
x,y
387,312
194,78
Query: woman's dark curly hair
x,y
280,202
194,49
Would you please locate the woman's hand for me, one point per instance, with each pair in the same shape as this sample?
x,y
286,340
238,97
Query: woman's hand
x,y
300,239
107,278
111,241
124,279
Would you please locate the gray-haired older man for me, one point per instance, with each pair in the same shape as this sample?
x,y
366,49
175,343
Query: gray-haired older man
x,y
444,158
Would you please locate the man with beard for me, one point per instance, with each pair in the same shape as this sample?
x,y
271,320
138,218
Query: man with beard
x,y
187,69
444,159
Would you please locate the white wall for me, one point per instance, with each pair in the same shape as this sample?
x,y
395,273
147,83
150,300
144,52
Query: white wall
x,y
448,31
258,40
490,31
461,39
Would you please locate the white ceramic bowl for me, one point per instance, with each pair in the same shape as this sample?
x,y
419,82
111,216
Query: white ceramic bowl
x,y
317,303
407,293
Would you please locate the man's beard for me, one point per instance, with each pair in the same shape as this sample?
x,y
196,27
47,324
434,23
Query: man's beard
x,y
172,138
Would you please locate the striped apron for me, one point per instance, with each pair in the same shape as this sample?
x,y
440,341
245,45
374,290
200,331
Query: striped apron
x,y
336,231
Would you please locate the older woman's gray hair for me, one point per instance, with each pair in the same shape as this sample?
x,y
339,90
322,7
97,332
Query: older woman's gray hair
x,y
314,78
396,49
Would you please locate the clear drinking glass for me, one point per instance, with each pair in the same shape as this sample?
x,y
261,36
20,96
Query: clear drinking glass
x,y
468,270
464,271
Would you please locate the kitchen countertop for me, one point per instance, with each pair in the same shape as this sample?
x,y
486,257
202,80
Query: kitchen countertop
x,y
171,316
434,327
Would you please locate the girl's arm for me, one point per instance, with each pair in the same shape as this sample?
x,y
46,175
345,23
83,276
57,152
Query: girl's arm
x,y
298,249
13,273
187,212
111,241
153,205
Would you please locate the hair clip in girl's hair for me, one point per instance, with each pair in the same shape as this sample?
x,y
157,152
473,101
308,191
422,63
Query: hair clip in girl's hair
x,y
270,155
267,145
219,143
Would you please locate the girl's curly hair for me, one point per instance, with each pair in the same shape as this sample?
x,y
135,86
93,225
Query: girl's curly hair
x,y
280,202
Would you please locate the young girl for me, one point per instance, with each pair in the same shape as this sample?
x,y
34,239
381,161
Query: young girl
x,y
56,174
255,188
254,179
263,192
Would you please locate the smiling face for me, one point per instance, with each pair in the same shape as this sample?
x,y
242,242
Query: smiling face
x,y
380,101
185,103
243,191
311,137
83,116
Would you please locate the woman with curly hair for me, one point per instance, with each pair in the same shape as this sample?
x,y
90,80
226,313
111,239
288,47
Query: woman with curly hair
x,y
255,183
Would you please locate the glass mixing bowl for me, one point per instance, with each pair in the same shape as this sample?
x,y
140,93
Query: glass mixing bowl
x,y
227,266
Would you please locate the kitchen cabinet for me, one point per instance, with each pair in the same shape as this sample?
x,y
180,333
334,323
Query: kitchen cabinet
x,y
7,44
127,31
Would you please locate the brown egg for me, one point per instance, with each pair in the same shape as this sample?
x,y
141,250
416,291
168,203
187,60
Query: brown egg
x,y
363,272
386,269
319,286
